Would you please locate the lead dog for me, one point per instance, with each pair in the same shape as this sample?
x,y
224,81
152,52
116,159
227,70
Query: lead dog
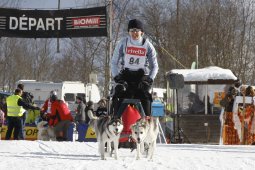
x,y
145,132
108,131
45,132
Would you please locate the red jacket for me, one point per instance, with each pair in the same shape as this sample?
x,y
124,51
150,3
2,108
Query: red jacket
x,y
59,112
46,106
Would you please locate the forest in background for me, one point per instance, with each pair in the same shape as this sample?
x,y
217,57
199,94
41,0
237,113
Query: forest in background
x,y
223,30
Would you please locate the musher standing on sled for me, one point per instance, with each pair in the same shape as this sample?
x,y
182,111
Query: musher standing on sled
x,y
134,66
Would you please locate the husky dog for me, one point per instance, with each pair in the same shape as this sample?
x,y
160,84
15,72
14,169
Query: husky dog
x,y
145,132
107,131
45,132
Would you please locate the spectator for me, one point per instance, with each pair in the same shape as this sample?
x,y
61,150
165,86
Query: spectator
x,y
90,112
3,106
169,128
102,109
28,98
83,97
46,108
156,98
2,117
228,101
65,100
59,117
237,86
80,116
32,115
15,105
90,116
242,91
196,106
249,91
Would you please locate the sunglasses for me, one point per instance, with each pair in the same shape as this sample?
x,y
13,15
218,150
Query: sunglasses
x,y
134,30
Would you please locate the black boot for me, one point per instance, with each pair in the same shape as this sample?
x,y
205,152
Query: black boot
x,y
60,139
146,107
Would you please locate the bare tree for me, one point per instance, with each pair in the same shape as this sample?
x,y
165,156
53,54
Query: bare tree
x,y
222,29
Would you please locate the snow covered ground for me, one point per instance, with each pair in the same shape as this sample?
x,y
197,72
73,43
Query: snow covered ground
x,y
34,155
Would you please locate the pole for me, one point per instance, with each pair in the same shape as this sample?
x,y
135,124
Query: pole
x,y
177,31
109,50
206,99
178,119
58,51
162,133
243,139
110,36
197,55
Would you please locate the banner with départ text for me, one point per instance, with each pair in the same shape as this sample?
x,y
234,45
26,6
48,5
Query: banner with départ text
x,y
67,23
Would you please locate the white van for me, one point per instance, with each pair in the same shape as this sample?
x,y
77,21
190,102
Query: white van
x,y
92,92
66,90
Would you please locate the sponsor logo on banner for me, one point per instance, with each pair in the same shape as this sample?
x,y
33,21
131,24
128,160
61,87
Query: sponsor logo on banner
x,y
53,23
31,132
136,51
90,133
86,22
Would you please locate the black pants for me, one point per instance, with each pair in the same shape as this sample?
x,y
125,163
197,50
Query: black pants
x,y
61,130
16,124
136,103
22,132
133,79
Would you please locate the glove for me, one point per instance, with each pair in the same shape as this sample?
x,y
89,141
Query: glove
x,y
147,79
146,83
118,78
46,116
37,108
120,88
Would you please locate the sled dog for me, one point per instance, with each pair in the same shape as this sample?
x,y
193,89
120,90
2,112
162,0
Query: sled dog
x,y
145,132
108,131
45,132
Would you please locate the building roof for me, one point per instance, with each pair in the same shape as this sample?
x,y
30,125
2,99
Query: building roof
x,y
208,75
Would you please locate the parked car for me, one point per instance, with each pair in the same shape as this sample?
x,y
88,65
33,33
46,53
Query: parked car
x,y
4,94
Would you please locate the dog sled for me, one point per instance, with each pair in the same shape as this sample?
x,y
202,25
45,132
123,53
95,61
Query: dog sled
x,y
130,111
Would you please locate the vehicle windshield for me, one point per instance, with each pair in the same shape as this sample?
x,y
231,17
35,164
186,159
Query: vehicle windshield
x,y
69,97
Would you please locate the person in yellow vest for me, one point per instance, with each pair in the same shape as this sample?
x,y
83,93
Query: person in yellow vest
x,y
15,111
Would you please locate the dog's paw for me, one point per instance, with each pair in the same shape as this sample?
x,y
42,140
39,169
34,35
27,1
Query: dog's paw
x,y
150,160
116,157
103,158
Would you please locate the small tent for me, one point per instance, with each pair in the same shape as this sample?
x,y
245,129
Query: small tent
x,y
201,127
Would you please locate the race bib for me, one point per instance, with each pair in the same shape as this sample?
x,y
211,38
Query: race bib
x,y
135,57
